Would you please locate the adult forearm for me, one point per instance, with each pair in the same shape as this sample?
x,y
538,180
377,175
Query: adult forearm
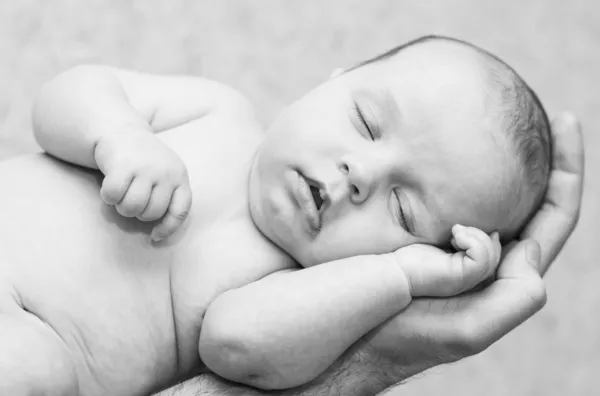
x,y
209,385
357,373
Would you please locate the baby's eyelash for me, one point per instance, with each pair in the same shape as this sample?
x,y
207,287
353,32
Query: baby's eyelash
x,y
362,120
401,212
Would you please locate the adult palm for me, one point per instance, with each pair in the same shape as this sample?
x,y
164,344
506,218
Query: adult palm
x,y
435,331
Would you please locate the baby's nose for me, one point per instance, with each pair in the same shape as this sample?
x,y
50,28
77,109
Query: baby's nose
x,y
359,180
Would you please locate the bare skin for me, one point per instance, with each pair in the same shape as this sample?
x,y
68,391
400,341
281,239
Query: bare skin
x,y
151,283
118,250
115,121
61,190
433,332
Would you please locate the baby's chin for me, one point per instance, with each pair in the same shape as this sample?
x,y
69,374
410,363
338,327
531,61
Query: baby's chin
x,y
302,254
288,245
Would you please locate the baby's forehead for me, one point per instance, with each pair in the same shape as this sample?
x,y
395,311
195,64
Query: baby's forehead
x,y
428,72
419,96
437,57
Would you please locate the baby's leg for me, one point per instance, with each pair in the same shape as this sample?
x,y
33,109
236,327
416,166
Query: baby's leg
x,y
33,358
435,273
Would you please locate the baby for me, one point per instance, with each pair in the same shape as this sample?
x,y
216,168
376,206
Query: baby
x,y
395,179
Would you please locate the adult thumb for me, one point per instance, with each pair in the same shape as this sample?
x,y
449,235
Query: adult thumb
x,y
522,259
533,254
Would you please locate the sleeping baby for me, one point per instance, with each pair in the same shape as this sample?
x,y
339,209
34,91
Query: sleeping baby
x,y
395,179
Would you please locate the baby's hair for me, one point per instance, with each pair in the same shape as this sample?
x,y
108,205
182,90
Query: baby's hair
x,y
522,115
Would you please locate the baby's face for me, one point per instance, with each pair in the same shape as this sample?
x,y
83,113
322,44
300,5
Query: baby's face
x,y
386,155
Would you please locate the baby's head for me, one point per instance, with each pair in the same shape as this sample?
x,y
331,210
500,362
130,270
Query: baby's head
x,y
400,148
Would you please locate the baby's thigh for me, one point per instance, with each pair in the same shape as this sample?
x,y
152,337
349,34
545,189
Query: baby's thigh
x,y
33,358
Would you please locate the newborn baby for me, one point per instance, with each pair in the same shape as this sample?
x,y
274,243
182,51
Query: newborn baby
x,y
394,179
400,149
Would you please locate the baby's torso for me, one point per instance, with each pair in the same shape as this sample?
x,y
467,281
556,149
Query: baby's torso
x,y
130,312
221,248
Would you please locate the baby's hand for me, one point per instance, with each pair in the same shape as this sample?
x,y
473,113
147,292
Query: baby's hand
x,y
435,273
477,252
145,179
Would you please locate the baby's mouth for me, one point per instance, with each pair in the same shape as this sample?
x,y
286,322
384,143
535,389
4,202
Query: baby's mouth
x,y
320,198
316,194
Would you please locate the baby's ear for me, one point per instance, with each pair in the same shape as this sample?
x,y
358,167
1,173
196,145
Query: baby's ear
x,y
336,72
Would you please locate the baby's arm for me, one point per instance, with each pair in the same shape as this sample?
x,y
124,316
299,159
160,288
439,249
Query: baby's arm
x,y
84,104
104,118
287,328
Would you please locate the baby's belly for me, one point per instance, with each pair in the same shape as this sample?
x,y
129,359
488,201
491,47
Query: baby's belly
x,y
89,274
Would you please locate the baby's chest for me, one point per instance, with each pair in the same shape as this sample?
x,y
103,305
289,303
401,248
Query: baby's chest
x,y
223,256
224,249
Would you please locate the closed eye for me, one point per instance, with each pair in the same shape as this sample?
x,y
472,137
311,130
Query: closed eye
x,y
361,119
401,216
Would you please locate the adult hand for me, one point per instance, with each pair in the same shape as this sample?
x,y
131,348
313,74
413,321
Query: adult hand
x,y
436,331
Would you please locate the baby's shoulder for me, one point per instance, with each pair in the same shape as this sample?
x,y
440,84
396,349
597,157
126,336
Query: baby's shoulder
x,y
236,103
219,146
238,117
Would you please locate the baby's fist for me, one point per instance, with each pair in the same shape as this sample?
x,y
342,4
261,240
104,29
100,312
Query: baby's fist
x,y
433,272
145,179
478,254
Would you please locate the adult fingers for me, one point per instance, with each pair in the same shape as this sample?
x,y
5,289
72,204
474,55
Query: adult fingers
x,y
559,213
514,297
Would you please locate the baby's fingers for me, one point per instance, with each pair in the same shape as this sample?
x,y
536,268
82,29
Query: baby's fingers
x,y
114,187
136,198
178,210
160,199
479,247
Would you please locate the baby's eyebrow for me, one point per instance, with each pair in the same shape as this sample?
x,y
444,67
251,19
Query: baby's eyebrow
x,y
380,98
388,110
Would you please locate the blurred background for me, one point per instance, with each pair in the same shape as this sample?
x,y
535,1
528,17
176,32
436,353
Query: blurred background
x,y
274,51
